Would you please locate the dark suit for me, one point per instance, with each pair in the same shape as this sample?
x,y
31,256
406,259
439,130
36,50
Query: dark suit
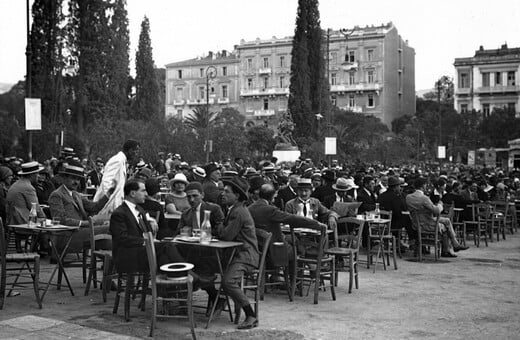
x,y
368,200
329,201
128,243
95,177
216,218
389,200
285,195
211,191
323,191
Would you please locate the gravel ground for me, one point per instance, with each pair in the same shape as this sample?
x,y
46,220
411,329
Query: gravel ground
x,y
474,296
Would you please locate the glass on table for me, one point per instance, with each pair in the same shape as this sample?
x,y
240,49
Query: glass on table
x,y
55,221
185,231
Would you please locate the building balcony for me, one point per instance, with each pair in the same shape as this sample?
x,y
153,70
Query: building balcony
x,y
356,109
265,92
497,89
264,70
355,87
223,101
199,101
263,113
463,91
346,66
178,102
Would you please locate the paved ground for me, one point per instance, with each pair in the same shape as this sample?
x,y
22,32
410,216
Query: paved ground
x,y
474,296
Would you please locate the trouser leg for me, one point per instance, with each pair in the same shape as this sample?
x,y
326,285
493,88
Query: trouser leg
x,y
231,283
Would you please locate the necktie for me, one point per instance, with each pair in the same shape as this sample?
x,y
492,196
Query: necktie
x,y
305,209
79,206
142,225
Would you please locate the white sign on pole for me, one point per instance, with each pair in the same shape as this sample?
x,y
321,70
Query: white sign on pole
x,y
33,114
441,152
330,145
471,158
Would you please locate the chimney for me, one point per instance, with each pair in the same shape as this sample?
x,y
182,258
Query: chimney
x,y
224,53
481,48
210,54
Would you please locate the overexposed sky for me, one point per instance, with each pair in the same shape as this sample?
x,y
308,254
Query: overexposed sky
x,y
439,31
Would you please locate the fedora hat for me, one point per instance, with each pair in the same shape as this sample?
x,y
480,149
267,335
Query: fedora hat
x,y
304,183
180,177
199,171
238,183
209,168
255,183
393,181
30,168
344,184
73,170
329,175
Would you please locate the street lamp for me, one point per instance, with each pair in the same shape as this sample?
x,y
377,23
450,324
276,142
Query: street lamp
x,y
28,89
211,73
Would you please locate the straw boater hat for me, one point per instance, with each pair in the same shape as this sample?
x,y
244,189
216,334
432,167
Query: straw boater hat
x,y
180,177
73,170
199,172
304,183
30,168
344,184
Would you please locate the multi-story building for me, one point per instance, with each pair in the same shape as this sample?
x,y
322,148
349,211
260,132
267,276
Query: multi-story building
x,y
488,81
371,70
186,84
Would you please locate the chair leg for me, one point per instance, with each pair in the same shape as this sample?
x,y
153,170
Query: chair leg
x,y
332,279
355,267
189,303
394,252
36,281
3,279
128,292
287,283
118,293
106,282
144,288
84,265
317,284
91,277
351,273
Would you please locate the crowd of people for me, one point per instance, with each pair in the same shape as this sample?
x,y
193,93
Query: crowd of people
x,y
240,197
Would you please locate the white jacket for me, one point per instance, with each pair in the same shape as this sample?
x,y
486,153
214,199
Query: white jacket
x,y
114,176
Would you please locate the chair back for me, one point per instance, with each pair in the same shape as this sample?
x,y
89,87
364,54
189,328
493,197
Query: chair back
x,y
3,243
265,238
320,243
100,237
150,252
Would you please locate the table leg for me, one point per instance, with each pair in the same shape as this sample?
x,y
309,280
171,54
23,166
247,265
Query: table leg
x,y
59,265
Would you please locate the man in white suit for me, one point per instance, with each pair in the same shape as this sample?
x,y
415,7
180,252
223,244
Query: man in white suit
x,y
114,176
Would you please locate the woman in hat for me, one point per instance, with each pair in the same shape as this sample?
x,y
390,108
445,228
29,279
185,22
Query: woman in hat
x,y
177,202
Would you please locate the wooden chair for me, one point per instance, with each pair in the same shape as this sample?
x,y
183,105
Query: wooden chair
x,y
388,246
277,261
182,286
314,270
347,247
428,238
454,215
23,264
100,249
478,224
502,217
254,280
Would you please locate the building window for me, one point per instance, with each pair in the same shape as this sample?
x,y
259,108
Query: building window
x,y
371,102
282,61
351,101
179,74
266,82
224,91
352,78
202,91
333,58
282,82
266,62
224,70
463,108
498,78
511,107
485,110
351,56
370,55
463,80
334,101
249,83
511,78
370,76
201,71
266,104
485,79
249,64
179,93
333,80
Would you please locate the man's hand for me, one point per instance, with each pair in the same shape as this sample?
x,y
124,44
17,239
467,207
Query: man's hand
x,y
153,225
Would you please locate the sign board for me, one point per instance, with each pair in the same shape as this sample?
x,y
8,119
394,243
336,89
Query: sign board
x,y
33,114
330,145
441,152
471,158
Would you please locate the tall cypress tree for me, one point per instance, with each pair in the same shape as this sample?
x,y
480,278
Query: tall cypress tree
x,y
147,87
299,90
118,71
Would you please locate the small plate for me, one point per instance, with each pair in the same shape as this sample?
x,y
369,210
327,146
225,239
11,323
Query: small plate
x,y
214,240
188,239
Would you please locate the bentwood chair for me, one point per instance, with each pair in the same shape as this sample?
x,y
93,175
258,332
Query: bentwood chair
x,y
22,263
253,281
347,247
100,249
310,269
478,226
180,289
428,238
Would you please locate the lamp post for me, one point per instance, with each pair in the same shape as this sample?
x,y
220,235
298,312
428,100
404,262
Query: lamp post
x,y
211,73
28,89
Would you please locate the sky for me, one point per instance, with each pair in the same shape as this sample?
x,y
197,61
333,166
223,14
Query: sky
x,y
439,31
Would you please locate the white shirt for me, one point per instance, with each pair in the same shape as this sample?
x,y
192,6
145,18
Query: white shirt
x,y
133,209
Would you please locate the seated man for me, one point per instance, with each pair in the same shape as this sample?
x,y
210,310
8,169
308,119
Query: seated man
x,y
72,209
128,223
422,209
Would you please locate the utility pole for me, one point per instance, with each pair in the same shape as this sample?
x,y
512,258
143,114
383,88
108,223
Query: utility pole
x,y
211,72
28,89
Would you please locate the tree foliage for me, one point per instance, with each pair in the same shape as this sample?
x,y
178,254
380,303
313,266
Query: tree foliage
x,y
260,140
147,97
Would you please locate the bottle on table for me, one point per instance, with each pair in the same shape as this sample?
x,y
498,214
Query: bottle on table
x,y
205,228
33,215
377,212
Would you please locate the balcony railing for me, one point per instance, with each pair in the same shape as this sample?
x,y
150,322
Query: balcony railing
x,y
356,87
464,90
264,70
497,89
265,92
223,101
178,102
199,101
357,109
263,113
349,65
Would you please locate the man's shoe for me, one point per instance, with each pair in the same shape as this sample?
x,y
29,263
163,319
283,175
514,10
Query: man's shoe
x,y
448,255
249,322
459,248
